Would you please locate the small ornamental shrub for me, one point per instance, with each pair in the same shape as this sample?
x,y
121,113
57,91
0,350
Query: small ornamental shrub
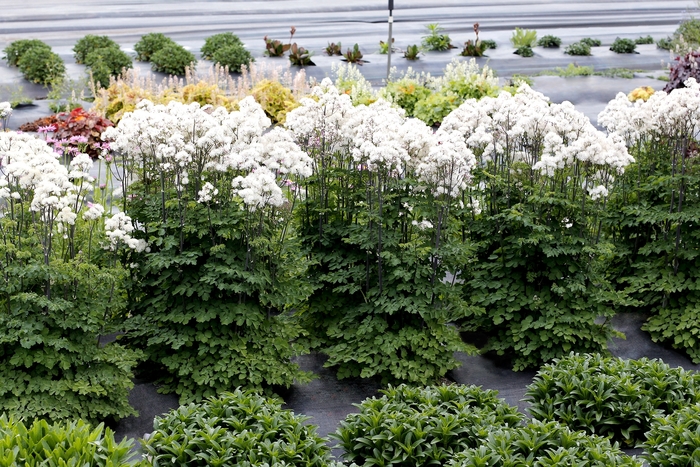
x,y
41,65
354,55
150,44
549,41
489,44
236,428
623,46
14,51
435,40
476,48
674,439
405,93
422,426
644,40
299,56
412,52
275,48
591,42
523,38
524,51
89,43
685,66
433,108
219,41
72,443
541,444
687,36
172,59
107,62
665,43
578,48
610,396
333,49
232,56
275,99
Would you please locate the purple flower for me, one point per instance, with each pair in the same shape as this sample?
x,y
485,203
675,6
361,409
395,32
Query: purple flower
x,y
78,139
46,129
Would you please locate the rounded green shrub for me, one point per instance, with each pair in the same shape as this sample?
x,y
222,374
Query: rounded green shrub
x,y
543,444
411,426
549,41
219,41
238,428
610,396
41,65
16,49
90,43
675,439
61,444
150,44
524,51
644,40
489,44
578,48
233,56
172,59
105,62
591,42
623,46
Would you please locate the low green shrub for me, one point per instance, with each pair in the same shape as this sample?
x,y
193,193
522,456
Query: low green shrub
x,y
421,426
489,44
543,444
435,40
578,48
405,93
523,38
219,41
106,62
16,49
549,41
623,46
688,32
675,439
149,44
665,43
644,40
41,65
435,107
610,396
524,51
238,428
90,43
173,59
232,56
61,444
591,42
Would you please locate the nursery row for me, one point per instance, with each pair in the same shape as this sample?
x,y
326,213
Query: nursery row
x,y
220,247
584,406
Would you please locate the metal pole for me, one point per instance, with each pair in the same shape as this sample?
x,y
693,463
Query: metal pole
x,y
391,23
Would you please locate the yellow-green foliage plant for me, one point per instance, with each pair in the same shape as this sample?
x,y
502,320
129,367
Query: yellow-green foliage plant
x,y
275,99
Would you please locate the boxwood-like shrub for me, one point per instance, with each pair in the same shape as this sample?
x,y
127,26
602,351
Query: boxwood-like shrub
x,y
90,43
172,59
623,46
150,44
610,396
107,61
233,57
578,48
543,444
238,428
675,439
591,42
410,426
60,444
41,65
218,41
16,49
549,41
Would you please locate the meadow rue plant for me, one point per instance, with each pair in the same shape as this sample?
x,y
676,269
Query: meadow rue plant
x,y
213,194
654,215
541,180
59,291
380,236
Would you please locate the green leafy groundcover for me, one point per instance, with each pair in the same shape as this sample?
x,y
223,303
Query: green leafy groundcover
x,y
422,426
610,397
236,428
674,439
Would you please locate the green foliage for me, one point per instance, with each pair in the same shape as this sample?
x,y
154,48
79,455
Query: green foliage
x,y
232,56
489,44
549,41
172,59
275,48
299,56
412,52
665,43
578,48
623,46
61,444
523,38
591,42
524,51
384,47
16,49
354,55
435,40
235,428
674,439
687,36
608,396
542,444
89,43
219,41
149,44
433,108
275,99
625,73
41,65
333,49
644,40
107,62
405,93
421,426
571,70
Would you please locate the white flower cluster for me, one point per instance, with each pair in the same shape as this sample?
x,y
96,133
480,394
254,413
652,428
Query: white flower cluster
x,y
118,229
5,110
179,140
